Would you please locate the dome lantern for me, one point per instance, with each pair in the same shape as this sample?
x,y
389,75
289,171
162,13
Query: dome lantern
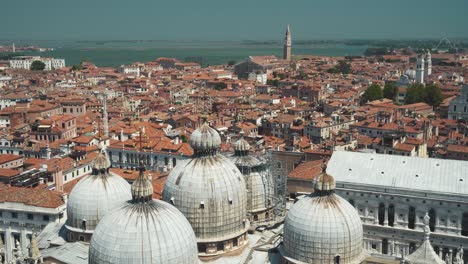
x,y
205,141
241,147
325,184
142,188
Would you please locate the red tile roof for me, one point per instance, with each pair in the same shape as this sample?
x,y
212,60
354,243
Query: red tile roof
x,y
33,197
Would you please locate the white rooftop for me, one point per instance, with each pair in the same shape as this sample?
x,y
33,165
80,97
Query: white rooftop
x,y
400,172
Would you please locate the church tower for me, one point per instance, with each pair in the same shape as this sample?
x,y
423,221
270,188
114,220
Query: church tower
x,y
429,63
420,69
287,45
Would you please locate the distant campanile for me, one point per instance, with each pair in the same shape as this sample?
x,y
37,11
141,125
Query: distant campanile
x,y
287,45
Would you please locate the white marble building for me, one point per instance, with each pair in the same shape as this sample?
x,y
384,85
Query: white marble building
x,y
458,108
393,193
24,62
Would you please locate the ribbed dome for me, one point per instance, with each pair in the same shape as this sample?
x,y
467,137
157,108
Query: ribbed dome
x,y
241,146
205,138
210,192
151,232
259,183
94,196
321,226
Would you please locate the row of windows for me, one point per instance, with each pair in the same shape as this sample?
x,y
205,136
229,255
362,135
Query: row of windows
x,y
29,216
78,110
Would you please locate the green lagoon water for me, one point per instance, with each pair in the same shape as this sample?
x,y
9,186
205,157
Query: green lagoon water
x,y
115,53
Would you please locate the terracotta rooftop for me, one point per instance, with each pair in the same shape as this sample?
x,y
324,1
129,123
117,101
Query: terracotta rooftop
x,y
33,197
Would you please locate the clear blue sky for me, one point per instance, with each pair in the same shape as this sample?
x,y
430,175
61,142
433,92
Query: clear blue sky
x,y
231,20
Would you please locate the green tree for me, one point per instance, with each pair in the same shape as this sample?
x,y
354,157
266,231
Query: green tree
x,y
390,90
220,86
231,62
373,92
415,93
433,95
37,66
342,67
273,82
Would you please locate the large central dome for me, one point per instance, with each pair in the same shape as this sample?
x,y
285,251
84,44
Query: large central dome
x,y
322,227
210,191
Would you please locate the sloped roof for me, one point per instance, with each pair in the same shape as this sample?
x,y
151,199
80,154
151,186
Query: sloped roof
x,y
425,254
400,172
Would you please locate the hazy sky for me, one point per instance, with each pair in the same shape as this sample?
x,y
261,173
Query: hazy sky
x,y
231,20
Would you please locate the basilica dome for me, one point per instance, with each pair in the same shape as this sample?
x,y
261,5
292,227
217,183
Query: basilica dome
x,y
94,196
259,183
210,191
143,230
322,226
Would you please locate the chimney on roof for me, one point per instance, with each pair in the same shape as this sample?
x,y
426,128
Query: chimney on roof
x,y
176,140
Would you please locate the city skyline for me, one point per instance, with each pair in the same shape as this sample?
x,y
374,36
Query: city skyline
x,y
179,20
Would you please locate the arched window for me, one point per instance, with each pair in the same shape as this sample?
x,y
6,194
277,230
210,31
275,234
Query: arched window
x,y
411,217
412,247
464,231
278,165
391,215
385,246
432,219
381,213
337,259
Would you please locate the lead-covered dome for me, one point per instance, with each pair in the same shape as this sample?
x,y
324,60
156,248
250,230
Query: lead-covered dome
x,y
259,183
143,230
323,226
210,191
94,196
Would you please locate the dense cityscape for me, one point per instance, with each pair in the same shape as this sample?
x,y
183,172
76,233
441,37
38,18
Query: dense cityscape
x,y
272,159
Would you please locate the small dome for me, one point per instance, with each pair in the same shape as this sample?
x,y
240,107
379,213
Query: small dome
x,y
94,196
323,225
259,182
205,138
151,232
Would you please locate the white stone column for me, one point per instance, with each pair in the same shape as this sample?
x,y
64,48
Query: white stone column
x,y
450,255
376,216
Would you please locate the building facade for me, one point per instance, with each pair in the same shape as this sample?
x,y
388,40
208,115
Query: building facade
x,y
458,108
24,62
392,194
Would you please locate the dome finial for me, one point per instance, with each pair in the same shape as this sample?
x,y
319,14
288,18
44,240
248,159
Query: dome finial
x,y
101,164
